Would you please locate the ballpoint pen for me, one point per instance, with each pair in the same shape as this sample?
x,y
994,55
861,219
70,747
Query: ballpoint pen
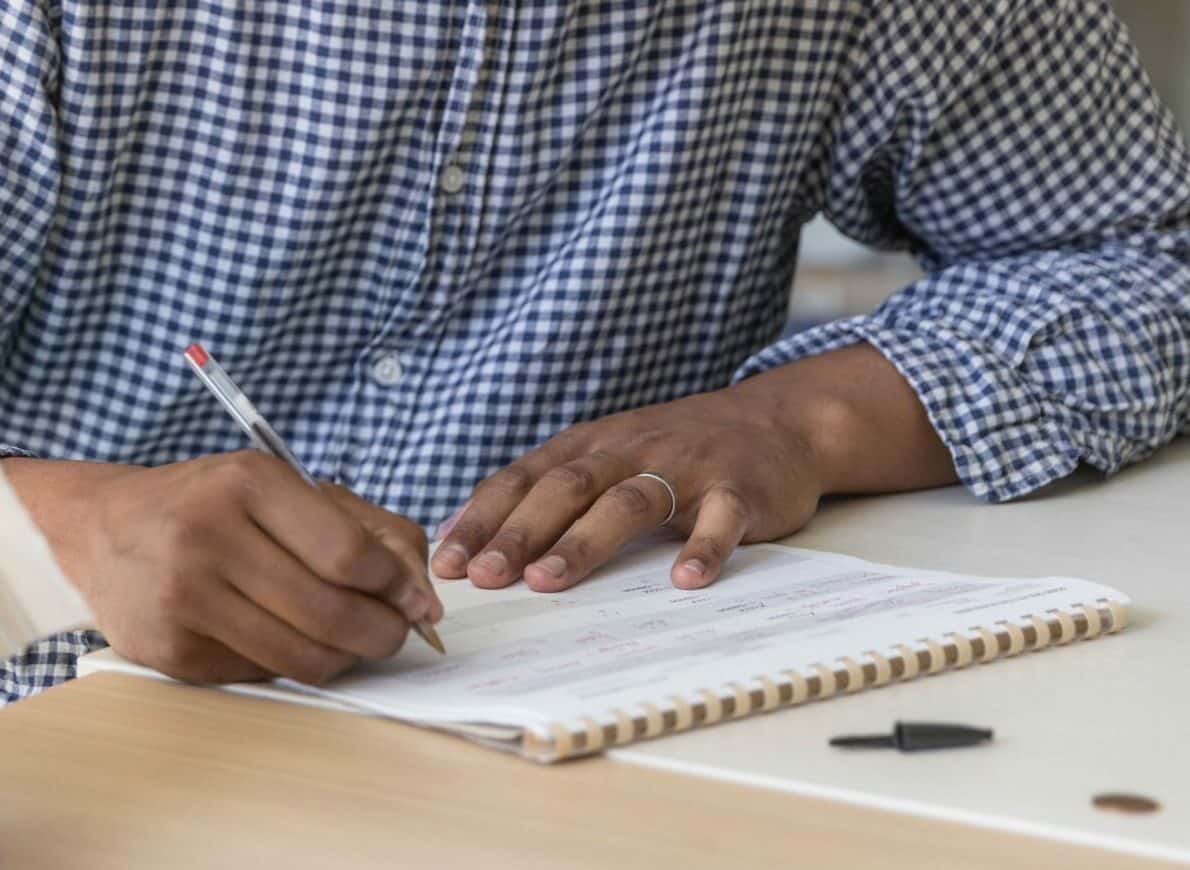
x,y
265,438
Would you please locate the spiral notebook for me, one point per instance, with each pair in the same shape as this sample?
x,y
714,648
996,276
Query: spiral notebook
x,y
625,657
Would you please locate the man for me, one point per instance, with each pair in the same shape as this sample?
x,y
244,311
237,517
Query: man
x,y
431,238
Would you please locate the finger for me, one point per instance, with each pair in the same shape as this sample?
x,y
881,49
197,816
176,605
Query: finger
x,y
221,665
627,510
562,495
492,502
226,616
723,519
413,593
495,498
447,524
340,618
299,517
196,659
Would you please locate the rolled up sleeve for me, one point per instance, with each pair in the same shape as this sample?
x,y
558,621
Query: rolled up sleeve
x,y
1018,150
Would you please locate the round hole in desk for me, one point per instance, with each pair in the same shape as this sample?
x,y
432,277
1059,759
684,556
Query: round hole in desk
x,y
1128,804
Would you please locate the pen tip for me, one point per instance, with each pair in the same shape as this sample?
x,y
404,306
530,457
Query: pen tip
x,y
429,635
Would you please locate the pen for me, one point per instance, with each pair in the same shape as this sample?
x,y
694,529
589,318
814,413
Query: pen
x,y
266,439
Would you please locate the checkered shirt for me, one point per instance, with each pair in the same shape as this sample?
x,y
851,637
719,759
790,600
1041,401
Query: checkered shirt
x,y
425,237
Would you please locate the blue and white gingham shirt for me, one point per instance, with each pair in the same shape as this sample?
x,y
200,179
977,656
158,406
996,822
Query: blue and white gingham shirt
x,y
427,236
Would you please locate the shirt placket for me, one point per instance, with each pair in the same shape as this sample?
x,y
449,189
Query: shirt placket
x,y
396,366
459,207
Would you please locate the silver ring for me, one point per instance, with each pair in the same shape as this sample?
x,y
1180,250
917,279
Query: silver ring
x,y
673,499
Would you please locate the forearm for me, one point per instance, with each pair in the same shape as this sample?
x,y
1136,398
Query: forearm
x,y
861,421
1052,328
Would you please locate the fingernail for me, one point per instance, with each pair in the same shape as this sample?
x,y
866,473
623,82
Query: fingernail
x,y
414,603
555,565
446,525
698,566
492,561
451,559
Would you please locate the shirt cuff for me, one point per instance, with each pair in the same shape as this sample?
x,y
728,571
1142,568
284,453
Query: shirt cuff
x,y
36,599
996,428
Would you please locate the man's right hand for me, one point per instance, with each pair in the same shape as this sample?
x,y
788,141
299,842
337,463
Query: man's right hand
x,y
230,567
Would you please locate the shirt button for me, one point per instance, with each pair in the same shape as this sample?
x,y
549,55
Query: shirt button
x,y
452,179
387,370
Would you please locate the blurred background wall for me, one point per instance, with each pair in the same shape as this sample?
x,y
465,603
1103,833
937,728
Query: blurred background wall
x,y
837,278
1161,31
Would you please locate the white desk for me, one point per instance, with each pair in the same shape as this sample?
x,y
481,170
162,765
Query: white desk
x,y
1107,715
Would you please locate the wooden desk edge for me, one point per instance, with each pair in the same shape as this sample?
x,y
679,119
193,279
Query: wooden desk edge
x,y
128,772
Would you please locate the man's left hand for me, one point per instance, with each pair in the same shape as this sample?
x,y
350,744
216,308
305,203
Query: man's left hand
x,y
745,463
561,511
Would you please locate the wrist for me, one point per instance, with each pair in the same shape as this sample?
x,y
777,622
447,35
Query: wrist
x,y
808,417
861,423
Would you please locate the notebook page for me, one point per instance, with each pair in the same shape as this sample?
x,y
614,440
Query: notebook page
x,y
626,636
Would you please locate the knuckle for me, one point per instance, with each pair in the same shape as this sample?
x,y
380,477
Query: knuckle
x,y
347,550
577,551
336,491
644,438
574,480
571,439
240,458
734,502
392,639
512,539
711,548
185,533
180,657
337,611
631,501
470,531
513,481
411,534
244,470
315,667
606,457
577,431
